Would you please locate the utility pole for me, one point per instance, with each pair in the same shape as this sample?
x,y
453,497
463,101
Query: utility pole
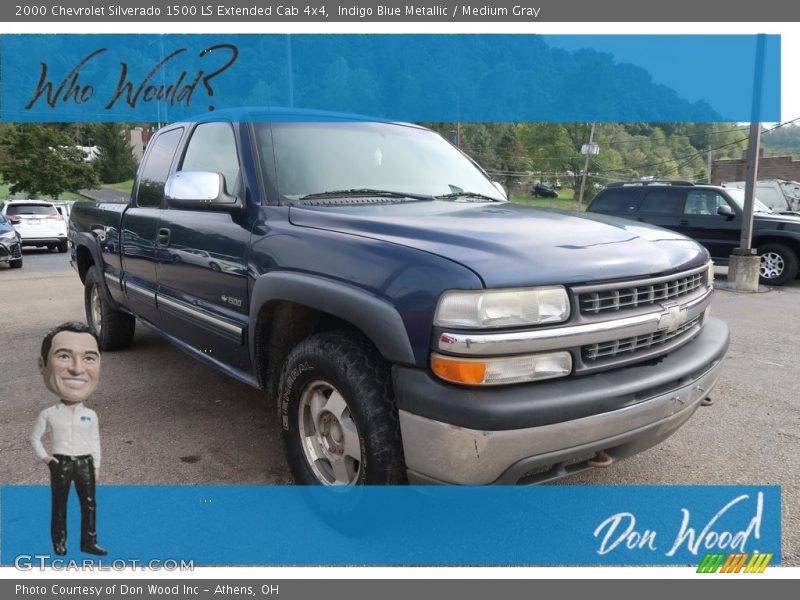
x,y
588,148
708,169
744,262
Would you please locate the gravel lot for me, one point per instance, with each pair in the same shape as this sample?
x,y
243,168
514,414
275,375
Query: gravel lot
x,y
179,422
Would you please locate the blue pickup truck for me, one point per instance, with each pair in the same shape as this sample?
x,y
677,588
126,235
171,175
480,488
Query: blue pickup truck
x,y
410,324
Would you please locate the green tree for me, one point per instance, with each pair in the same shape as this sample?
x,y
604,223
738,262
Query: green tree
x,y
43,161
512,160
114,161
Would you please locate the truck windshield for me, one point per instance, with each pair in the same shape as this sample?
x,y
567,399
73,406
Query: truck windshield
x,y
320,158
738,197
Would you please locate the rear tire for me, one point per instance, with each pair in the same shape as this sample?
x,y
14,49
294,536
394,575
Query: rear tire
x,y
779,264
114,328
339,421
62,247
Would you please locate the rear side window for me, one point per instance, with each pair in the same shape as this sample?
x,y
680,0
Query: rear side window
x,y
156,168
31,209
616,200
213,148
661,201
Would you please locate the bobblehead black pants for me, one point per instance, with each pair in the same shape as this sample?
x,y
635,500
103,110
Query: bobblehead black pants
x,y
80,470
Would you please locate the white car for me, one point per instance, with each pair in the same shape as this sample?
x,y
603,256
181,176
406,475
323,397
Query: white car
x,y
38,223
779,195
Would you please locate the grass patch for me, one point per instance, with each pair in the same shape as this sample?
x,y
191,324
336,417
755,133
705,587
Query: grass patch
x,y
123,186
565,201
5,194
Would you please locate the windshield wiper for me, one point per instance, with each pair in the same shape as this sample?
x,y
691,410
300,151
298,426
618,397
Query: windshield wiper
x,y
456,195
364,192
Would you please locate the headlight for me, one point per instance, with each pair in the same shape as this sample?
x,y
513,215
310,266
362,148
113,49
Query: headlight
x,y
8,235
502,308
501,371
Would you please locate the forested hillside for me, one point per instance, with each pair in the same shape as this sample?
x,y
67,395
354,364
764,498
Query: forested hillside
x,y
518,153
785,140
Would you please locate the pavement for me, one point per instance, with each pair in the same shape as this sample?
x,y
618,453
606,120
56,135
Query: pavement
x,y
168,419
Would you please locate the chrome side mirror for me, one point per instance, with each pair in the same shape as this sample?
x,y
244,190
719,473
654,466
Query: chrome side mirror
x,y
199,190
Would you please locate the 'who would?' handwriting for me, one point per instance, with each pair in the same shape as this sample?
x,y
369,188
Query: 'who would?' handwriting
x,y
74,89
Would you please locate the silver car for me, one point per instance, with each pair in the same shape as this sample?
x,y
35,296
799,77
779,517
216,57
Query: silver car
x,y
10,250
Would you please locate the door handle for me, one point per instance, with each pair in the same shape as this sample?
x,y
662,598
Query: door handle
x,y
162,239
683,223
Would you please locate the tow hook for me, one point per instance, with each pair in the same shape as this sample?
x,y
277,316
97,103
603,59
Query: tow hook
x,y
601,460
707,401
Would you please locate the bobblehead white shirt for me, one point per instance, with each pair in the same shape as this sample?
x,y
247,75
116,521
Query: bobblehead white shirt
x,y
72,372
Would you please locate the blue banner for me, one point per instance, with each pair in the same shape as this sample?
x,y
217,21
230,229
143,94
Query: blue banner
x,y
401,77
549,525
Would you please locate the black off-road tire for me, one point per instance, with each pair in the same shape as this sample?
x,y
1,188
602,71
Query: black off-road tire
x,y
15,264
343,362
115,328
779,264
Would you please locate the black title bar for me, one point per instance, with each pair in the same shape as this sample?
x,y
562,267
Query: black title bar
x,y
522,11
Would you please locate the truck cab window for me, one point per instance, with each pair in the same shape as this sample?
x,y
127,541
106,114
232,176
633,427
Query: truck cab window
x,y
156,168
212,147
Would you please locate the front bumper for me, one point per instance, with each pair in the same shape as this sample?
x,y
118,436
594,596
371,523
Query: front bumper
x,y
539,432
10,251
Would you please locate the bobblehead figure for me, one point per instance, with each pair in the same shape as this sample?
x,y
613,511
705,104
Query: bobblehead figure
x,y
70,366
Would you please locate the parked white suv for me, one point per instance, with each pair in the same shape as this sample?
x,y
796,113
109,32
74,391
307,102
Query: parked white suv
x,y
779,195
38,223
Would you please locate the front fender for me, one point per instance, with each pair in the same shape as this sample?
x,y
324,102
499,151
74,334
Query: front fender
x,y
89,242
375,317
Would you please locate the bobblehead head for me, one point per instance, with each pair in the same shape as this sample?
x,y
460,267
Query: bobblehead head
x,y
72,367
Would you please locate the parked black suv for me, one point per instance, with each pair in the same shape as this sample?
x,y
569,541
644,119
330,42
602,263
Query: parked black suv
x,y
711,215
543,190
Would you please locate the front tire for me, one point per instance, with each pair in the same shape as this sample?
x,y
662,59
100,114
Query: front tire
x,y
339,421
114,328
779,264
15,264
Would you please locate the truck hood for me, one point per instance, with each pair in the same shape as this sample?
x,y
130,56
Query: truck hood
x,y
509,245
789,218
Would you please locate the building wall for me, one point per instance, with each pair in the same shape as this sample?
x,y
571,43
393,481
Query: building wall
x,y
769,167
138,139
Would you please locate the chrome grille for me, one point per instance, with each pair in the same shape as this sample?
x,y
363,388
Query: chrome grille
x,y
614,348
616,299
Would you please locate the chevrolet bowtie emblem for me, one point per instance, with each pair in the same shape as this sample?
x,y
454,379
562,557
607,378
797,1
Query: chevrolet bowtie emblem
x,y
672,318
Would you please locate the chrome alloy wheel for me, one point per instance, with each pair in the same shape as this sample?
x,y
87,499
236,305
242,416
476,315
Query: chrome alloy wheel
x,y
97,310
772,265
328,435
